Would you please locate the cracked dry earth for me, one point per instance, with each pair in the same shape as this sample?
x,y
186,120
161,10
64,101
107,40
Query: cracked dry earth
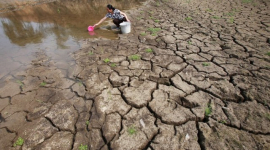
x,y
203,85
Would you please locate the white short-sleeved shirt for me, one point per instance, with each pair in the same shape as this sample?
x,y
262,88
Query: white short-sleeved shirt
x,y
116,15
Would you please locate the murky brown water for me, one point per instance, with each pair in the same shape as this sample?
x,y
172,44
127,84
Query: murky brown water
x,y
55,27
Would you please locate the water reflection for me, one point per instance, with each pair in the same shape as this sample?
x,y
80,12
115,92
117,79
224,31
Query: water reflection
x,y
51,27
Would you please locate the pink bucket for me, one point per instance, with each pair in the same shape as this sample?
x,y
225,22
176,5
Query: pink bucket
x,y
91,28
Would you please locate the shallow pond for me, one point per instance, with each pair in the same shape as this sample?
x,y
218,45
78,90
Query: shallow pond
x,y
55,27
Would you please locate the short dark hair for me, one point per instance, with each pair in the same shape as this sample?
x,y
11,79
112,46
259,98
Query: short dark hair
x,y
110,7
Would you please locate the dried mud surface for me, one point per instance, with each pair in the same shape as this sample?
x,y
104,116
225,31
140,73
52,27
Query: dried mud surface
x,y
191,75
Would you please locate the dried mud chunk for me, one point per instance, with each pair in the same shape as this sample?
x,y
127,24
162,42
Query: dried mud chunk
x,y
111,126
110,101
36,132
3,103
140,96
63,115
174,93
182,85
169,111
14,122
117,80
79,88
140,64
184,137
10,89
251,115
225,90
96,141
217,135
209,67
138,130
60,140
6,138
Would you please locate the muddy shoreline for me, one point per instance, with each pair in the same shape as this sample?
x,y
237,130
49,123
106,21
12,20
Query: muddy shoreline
x,y
191,75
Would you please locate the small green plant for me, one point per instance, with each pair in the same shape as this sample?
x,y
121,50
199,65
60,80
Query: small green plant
x,y
189,42
223,121
143,34
134,57
188,18
80,83
90,53
43,83
58,10
87,122
107,60
230,14
231,20
19,142
208,110
205,64
131,130
216,17
209,10
19,82
139,18
154,31
40,101
150,12
83,147
268,53
149,50
157,21
113,64
267,116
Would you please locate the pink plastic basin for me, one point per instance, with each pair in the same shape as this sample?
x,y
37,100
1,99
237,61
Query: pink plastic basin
x,y
91,28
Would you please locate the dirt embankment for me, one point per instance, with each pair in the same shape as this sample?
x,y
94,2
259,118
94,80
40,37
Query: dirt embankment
x,y
191,75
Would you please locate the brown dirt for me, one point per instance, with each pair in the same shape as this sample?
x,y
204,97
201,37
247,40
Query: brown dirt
x,y
204,85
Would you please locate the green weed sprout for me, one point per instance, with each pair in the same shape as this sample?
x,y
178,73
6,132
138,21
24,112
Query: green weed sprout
x,y
208,111
143,34
106,60
268,53
43,83
134,57
113,64
205,64
19,142
90,53
188,18
87,122
131,130
83,147
216,17
149,50
154,31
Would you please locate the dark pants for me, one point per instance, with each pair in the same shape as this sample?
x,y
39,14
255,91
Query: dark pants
x,y
118,21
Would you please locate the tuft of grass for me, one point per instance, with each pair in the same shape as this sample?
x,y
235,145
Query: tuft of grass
x,y
149,50
205,64
154,31
113,64
188,18
230,14
209,10
83,147
19,142
134,57
208,110
216,17
107,60
268,53
43,83
139,18
90,53
223,121
131,130
231,20
189,42
143,34
157,21
20,83
87,122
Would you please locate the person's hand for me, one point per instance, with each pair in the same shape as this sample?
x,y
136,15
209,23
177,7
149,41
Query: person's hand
x,y
128,20
95,25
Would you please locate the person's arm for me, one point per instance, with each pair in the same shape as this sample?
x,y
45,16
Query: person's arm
x,y
100,21
124,15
